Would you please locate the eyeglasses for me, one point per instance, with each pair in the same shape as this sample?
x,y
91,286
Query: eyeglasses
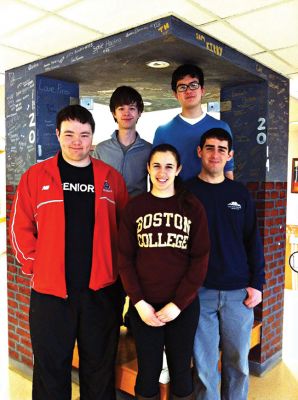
x,y
192,86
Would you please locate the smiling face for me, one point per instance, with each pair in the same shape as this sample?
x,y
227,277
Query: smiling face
x,y
214,154
163,169
75,141
127,116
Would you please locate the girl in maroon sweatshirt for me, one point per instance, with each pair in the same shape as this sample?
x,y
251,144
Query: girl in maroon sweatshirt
x,y
163,257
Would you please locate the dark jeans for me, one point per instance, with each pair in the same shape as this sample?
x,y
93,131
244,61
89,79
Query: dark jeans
x,y
90,317
177,337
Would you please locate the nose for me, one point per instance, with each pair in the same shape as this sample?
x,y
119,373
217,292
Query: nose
x,y
77,139
215,153
162,172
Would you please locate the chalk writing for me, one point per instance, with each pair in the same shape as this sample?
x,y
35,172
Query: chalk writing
x,y
200,37
136,31
106,46
55,88
261,135
210,46
33,66
214,48
164,28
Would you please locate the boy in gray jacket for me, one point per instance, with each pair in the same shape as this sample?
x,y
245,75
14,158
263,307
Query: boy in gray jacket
x,y
126,151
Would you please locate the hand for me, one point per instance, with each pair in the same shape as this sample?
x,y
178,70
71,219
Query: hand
x,y
254,297
147,313
168,313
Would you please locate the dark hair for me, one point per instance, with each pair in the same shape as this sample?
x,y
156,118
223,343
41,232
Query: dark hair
x,y
187,69
217,133
75,113
163,148
125,95
185,198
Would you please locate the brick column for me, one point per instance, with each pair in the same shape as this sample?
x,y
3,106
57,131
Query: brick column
x,y
258,116
270,200
18,288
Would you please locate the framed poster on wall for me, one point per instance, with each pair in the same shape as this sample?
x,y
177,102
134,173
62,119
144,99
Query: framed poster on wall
x,y
294,186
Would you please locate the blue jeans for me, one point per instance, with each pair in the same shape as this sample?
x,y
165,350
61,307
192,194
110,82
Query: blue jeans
x,y
225,324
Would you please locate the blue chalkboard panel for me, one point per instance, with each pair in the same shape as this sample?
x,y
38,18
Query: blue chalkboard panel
x,y
245,109
51,96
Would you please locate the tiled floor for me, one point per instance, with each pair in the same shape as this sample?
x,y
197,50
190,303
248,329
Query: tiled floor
x,y
281,383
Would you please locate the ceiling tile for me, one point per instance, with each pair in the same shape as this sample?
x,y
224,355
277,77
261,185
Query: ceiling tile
x,y
114,17
14,15
52,5
226,34
231,7
10,58
194,15
274,63
273,28
290,54
44,37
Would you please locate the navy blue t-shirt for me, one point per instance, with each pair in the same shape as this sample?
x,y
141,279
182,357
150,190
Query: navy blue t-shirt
x,y
236,257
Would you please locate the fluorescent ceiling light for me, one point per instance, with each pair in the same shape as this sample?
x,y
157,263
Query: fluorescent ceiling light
x,y
157,64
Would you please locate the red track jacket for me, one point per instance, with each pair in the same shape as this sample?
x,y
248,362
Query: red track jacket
x,y
37,226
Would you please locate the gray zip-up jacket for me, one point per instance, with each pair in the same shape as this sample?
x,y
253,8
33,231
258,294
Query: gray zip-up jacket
x,y
131,164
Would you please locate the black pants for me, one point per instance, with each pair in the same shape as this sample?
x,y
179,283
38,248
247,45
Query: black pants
x,y
90,317
177,337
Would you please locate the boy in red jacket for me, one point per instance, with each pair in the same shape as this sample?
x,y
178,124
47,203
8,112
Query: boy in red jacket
x,y
63,230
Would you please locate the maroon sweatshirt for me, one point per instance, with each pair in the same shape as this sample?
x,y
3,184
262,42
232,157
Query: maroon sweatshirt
x,y
163,251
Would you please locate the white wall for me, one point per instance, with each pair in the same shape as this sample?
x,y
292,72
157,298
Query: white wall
x,y
147,124
292,198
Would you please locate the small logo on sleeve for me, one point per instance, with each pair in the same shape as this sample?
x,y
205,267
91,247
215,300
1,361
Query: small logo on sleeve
x,y
234,205
45,187
107,187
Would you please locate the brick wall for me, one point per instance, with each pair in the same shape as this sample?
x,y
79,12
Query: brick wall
x,y
270,200
18,287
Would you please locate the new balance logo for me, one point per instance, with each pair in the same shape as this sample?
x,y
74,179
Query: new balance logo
x,y
234,205
46,187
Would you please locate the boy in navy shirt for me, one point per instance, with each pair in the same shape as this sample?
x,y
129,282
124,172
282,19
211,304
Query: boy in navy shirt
x,y
235,277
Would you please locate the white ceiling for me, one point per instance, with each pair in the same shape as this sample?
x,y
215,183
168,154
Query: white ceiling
x,y
266,30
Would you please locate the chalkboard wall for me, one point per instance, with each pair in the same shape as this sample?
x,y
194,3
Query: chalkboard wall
x,y
51,96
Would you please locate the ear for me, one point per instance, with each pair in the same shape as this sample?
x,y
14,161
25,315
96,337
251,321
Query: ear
x,y
58,134
175,94
139,114
199,152
178,170
203,91
230,155
148,169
